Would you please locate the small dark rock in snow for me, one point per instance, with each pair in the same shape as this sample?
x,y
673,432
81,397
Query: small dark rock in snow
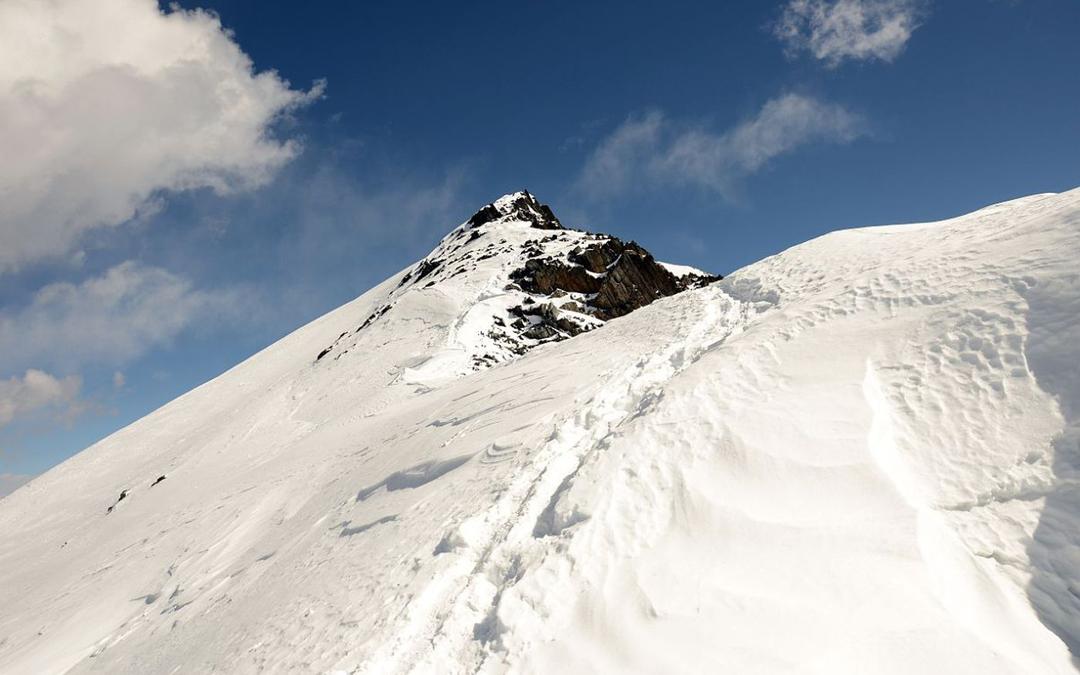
x,y
123,494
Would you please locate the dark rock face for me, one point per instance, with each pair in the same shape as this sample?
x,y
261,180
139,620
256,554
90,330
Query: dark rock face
x,y
483,216
621,277
633,280
545,276
544,321
524,207
547,219
426,267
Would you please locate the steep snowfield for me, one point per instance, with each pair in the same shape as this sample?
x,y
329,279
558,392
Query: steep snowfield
x,y
857,456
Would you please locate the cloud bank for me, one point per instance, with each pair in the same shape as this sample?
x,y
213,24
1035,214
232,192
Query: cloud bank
x,y
834,31
104,104
649,149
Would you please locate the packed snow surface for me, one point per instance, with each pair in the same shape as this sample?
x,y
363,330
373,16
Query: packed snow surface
x,y
858,456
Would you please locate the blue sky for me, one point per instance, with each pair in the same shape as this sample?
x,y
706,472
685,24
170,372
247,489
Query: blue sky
x,y
192,185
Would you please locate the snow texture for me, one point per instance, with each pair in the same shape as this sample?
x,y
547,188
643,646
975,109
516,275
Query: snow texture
x,y
857,456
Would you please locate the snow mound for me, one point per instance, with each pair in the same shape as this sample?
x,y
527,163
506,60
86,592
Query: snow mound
x,y
857,456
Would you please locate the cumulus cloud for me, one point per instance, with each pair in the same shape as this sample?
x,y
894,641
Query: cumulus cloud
x,y
651,149
33,391
105,104
837,30
113,318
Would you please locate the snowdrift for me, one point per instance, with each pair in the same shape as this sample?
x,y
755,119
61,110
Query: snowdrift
x,y
858,456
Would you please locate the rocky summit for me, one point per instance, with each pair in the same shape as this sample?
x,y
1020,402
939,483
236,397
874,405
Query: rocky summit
x,y
553,282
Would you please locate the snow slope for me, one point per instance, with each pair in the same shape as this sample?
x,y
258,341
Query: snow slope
x,y
857,456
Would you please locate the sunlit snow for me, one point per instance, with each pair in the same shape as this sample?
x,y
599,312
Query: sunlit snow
x,y
857,456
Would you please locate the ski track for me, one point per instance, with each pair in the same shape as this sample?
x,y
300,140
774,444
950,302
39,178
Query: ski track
x,y
456,614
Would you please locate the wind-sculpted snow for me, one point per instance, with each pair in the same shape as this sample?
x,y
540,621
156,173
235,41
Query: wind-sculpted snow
x,y
857,456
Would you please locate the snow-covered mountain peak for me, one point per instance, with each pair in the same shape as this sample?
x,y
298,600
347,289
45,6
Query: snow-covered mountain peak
x,y
516,207
512,278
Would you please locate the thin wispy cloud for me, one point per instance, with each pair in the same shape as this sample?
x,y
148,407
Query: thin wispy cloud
x,y
340,226
650,149
105,104
834,31
113,318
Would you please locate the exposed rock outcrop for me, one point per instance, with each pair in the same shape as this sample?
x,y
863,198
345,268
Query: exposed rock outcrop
x,y
558,284
620,277
521,207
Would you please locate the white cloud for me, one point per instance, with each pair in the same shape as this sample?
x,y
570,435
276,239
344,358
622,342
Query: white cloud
x,y
111,319
649,148
33,391
119,380
103,104
835,30
620,157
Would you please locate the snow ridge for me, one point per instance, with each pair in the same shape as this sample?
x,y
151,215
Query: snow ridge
x,y
523,280
859,455
460,617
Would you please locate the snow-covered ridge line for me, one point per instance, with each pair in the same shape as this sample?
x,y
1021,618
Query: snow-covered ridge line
x,y
859,455
530,518
539,282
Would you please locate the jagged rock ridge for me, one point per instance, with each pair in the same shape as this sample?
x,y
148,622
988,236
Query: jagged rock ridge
x,y
539,281
521,206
